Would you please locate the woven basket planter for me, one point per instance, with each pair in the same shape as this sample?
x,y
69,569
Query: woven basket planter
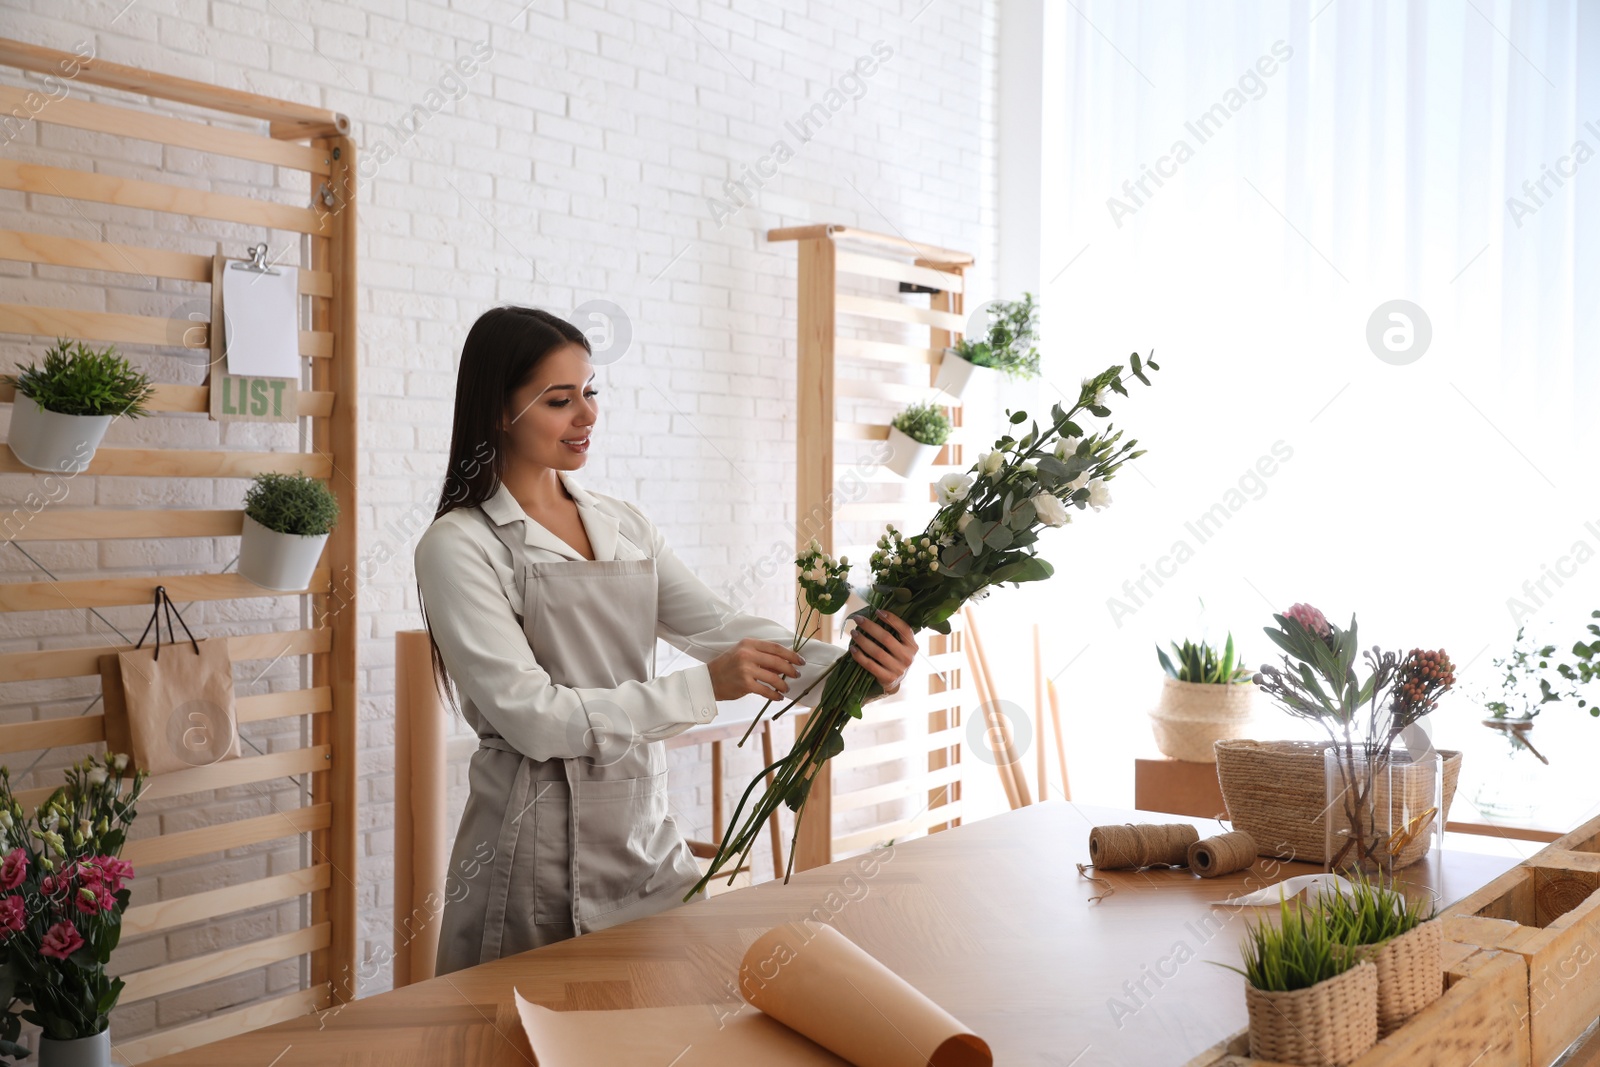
x,y
1410,974
1328,1025
1274,791
1192,717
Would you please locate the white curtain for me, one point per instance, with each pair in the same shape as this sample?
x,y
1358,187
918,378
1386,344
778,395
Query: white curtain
x,y
1242,187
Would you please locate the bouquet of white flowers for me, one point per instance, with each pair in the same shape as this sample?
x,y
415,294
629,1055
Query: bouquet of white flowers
x,y
983,535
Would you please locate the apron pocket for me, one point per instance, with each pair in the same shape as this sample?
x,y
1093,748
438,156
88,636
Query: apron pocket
x,y
552,859
624,841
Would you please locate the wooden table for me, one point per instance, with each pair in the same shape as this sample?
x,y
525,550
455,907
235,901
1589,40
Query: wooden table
x,y
991,920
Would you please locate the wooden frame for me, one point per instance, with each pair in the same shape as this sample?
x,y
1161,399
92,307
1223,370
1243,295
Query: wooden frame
x,y
297,138
836,365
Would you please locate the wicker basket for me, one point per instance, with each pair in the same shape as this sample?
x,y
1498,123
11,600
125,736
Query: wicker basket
x,y
1328,1025
1192,717
1410,974
1274,792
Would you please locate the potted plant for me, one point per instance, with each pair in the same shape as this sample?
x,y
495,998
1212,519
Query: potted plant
x,y
287,518
1205,698
63,889
1309,1002
1008,348
61,410
1355,800
915,437
1374,921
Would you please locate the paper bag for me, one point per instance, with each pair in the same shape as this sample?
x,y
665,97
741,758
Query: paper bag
x,y
177,700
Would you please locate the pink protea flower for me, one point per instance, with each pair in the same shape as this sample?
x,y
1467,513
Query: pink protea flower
x,y
61,941
1309,617
14,869
13,915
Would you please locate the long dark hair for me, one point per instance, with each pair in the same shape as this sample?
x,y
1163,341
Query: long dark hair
x,y
503,349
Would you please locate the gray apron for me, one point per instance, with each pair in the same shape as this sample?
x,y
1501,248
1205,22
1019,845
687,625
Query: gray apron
x,y
578,844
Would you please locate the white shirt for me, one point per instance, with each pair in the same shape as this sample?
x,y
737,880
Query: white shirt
x,y
468,587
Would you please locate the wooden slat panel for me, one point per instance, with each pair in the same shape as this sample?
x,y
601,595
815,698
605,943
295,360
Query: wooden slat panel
x,y
125,122
888,351
190,463
228,773
898,830
197,907
298,120
197,399
169,977
54,322
82,662
835,232
67,730
892,311
83,524
192,1035
904,787
153,196
185,844
24,247
897,271
897,392
120,592
905,748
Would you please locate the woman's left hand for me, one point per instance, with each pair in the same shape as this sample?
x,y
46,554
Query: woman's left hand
x,y
889,653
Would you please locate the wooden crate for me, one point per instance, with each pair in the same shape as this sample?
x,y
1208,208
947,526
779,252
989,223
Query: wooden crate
x,y
1546,910
1482,1020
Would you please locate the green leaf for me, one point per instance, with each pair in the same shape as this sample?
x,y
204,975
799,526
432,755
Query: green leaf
x,y
998,538
1018,416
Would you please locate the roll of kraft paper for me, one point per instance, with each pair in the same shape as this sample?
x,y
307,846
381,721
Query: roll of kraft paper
x,y
812,978
1132,846
1222,854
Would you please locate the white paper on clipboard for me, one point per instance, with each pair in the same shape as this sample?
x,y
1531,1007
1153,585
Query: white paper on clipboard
x,y
262,314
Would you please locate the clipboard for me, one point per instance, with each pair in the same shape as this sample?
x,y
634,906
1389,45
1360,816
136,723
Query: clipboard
x,y
250,397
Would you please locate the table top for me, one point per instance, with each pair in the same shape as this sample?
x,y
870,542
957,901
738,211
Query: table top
x,y
991,920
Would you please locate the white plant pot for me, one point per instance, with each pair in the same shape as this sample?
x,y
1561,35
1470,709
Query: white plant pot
x,y
958,376
907,455
93,1051
1192,716
276,560
50,441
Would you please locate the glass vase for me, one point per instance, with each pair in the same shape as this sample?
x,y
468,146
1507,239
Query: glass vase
x,y
1511,788
1383,810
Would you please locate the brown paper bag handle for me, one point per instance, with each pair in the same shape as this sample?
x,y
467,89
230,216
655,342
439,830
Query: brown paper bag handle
x,y
161,598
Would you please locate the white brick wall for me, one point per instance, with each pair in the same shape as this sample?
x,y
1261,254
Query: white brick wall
x,y
577,165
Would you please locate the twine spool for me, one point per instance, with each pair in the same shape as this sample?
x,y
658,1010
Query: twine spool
x,y
1222,854
1132,846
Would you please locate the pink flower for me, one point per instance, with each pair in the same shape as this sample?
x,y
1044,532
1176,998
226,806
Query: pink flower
x,y
14,869
13,914
94,898
48,885
116,871
61,941
1310,618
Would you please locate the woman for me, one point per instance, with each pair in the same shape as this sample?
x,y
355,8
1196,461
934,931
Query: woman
x,y
543,602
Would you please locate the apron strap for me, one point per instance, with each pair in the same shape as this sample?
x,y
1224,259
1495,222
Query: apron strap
x,y
494,918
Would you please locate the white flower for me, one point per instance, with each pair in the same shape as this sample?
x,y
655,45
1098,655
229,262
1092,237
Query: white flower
x,y
1099,398
990,462
1066,446
1079,482
953,487
1027,468
120,761
85,828
97,776
963,521
1099,495
1052,512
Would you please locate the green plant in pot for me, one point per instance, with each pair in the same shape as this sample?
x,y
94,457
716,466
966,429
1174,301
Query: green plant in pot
x,y
1309,1001
1207,696
1373,920
287,519
915,437
62,409
1008,348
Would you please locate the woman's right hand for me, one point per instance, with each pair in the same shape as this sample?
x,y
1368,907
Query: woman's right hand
x,y
753,666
